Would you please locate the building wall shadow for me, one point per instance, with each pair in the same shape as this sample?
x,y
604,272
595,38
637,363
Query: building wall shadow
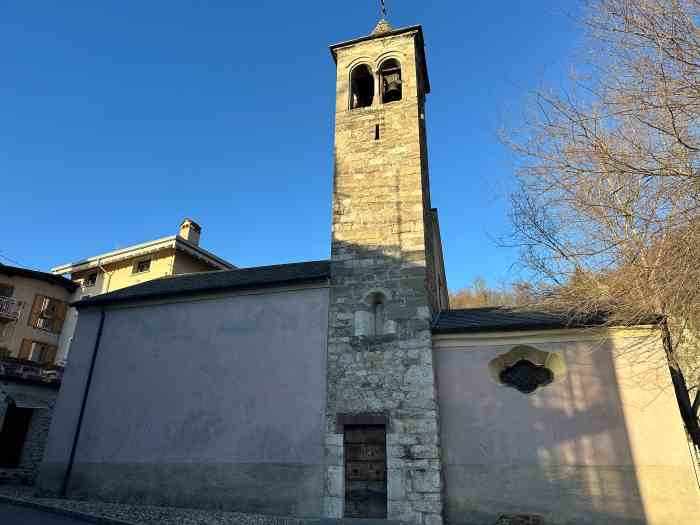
x,y
605,444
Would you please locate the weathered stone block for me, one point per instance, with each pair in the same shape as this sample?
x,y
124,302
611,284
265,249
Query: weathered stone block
x,y
335,485
332,507
432,519
425,480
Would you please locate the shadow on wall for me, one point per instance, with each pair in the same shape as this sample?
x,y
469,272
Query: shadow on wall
x,y
602,444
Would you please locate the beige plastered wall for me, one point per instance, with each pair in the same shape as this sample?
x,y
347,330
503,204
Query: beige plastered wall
x,y
603,444
25,290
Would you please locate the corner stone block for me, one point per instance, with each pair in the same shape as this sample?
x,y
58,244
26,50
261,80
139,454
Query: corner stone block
x,y
334,482
403,511
334,455
432,519
332,507
396,484
425,480
335,440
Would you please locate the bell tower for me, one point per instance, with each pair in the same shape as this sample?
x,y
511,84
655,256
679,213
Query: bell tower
x,y
387,281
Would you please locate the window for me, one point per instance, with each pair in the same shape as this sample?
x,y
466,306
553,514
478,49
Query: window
x,y
377,304
390,74
48,314
38,352
142,266
361,87
526,369
6,290
90,280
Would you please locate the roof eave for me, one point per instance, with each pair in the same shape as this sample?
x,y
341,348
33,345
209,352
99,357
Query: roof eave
x,y
201,253
97,301
173,241
50,278
92,262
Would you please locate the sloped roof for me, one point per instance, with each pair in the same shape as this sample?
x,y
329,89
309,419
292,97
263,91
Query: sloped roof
x,y
221,280
173,241
40,276
503,318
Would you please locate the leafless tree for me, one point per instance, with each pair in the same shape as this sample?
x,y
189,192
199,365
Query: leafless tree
x,y
478,293
607,210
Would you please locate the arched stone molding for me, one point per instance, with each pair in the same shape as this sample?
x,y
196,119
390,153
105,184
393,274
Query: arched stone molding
x,y
527,369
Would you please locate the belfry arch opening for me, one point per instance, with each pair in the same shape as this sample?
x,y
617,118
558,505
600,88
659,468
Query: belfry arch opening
x,y
390,80
361,87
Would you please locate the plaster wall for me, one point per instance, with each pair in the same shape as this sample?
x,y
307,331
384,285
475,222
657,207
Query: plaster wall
x,y
120,274
214,403
164,263
185,263
604,444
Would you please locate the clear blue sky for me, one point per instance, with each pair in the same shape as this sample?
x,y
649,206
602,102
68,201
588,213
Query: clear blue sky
x,y
117,119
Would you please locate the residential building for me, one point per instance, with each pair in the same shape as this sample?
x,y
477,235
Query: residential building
x,y
33,308
164,257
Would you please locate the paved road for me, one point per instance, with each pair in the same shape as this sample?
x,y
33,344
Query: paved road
x,y
15,515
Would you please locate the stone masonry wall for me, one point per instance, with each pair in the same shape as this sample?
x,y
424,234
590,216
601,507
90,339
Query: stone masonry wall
x,y
43,398
379,245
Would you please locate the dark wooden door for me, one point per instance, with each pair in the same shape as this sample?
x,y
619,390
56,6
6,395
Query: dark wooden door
x,y
13,435
365,471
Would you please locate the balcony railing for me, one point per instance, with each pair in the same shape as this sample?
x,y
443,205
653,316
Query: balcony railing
x,y
9,308
21,369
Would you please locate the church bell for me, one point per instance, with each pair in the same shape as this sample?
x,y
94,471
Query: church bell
x,y
392,87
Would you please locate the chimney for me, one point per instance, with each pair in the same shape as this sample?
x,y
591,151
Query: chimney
x,y
190,231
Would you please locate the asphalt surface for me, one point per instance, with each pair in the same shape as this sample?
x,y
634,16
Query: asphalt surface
x,y
16,515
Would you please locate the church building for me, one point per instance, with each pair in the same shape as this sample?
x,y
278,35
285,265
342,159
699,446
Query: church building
x,y
347,387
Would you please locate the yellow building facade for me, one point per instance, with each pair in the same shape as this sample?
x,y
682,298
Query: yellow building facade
x,y
174,255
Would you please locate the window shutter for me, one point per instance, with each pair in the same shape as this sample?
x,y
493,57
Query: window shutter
x,y
37,308
49,355
60,316
25,349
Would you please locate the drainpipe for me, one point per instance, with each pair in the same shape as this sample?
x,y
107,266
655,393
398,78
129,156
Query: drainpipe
x,y
88,383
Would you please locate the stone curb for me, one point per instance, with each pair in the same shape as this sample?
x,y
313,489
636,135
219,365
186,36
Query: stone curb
x,y
90,518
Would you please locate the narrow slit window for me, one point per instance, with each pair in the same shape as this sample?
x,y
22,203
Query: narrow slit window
x,y
391,84
361,87
376,132
376,302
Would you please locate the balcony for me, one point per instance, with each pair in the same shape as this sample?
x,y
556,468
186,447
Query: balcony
x,y
9,309
12,368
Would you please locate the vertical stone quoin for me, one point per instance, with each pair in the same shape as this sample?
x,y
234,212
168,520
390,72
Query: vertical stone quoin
x,y
383,291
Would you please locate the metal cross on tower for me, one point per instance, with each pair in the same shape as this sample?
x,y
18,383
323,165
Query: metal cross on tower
x,y
383,8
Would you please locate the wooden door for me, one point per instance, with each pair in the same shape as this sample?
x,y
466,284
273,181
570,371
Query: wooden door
x,y
365,471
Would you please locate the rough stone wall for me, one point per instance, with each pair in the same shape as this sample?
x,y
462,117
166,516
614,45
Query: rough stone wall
x,y
43,398
378,245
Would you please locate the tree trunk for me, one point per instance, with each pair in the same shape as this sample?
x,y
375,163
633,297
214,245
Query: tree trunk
x,y
679,385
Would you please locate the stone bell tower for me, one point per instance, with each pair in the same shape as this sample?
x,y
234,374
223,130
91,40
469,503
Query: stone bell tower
x,y
382,446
